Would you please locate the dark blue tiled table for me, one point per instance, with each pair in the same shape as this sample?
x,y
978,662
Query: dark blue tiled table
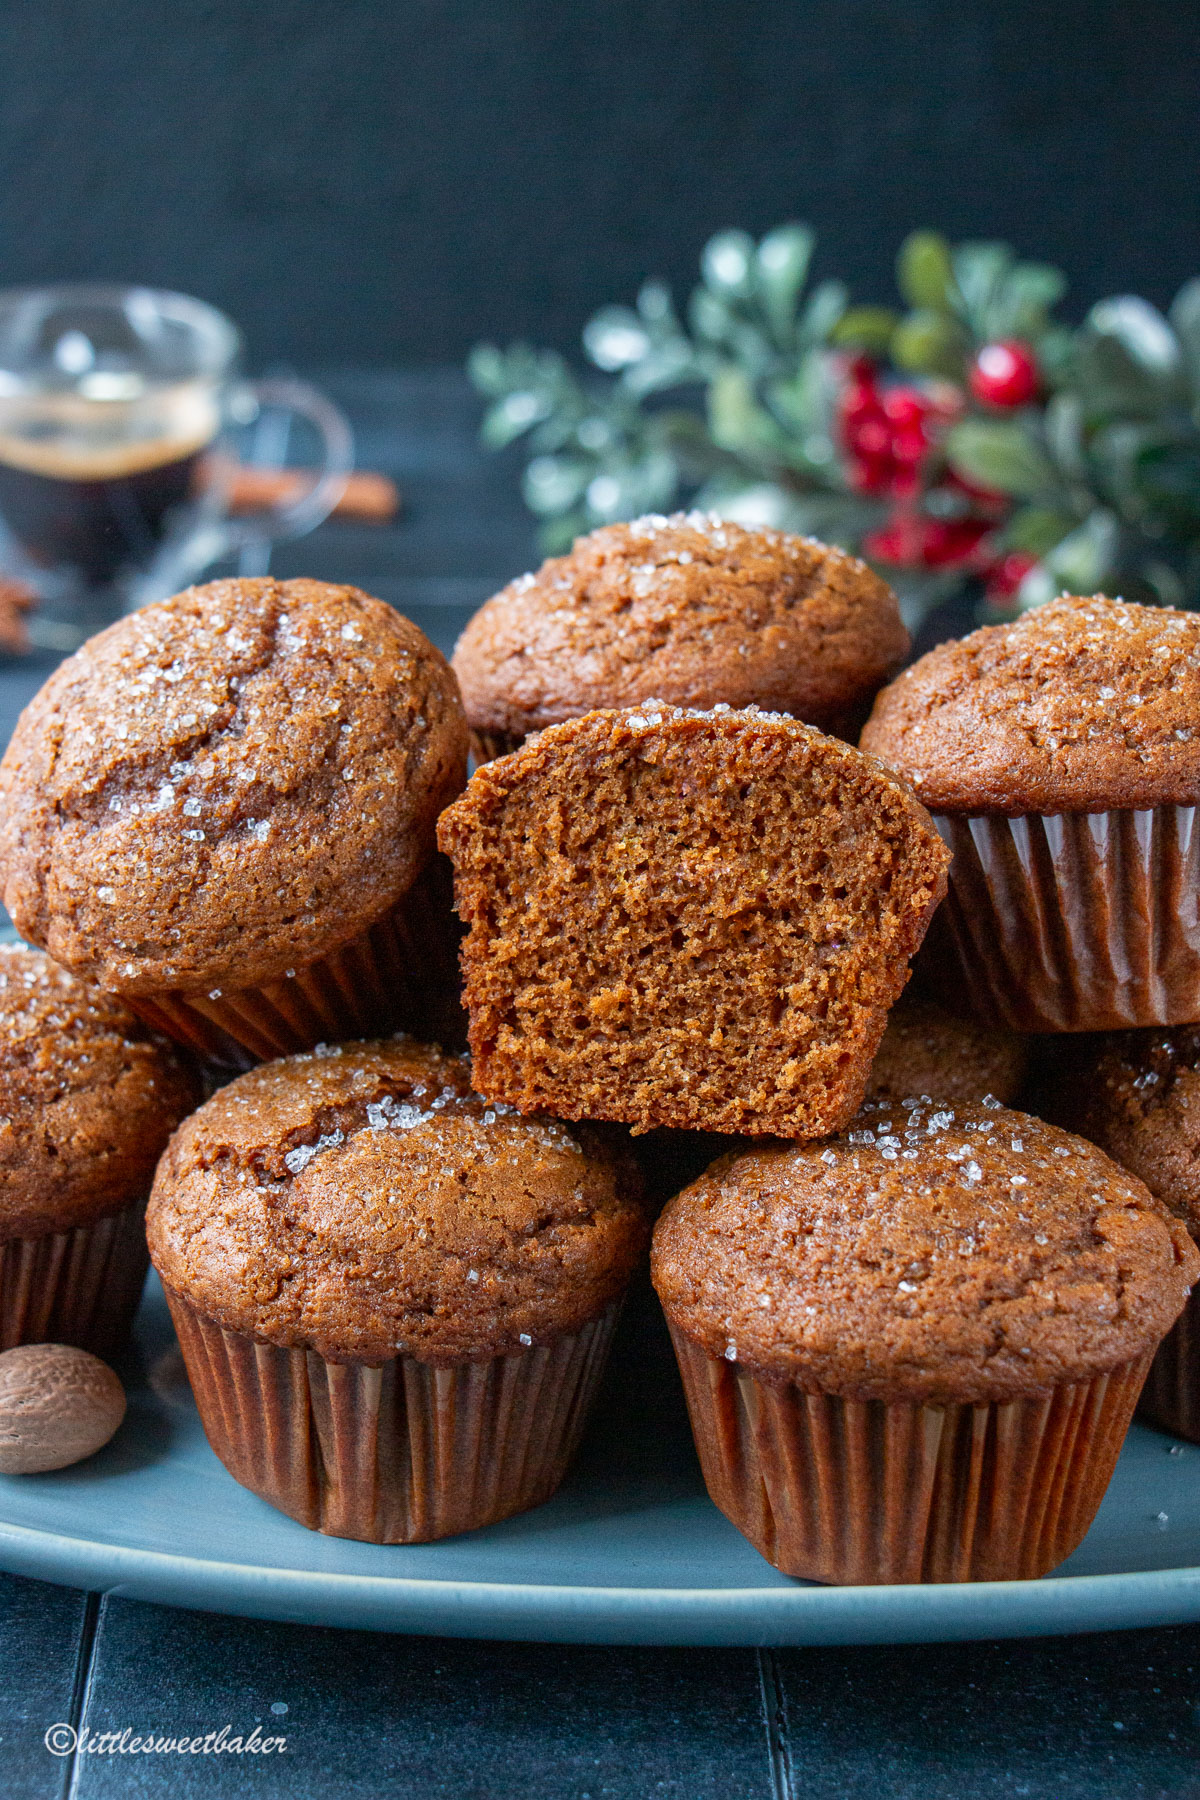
x,y
1112,1717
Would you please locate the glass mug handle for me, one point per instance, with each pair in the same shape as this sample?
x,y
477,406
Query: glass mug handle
x,y
292,518
214,539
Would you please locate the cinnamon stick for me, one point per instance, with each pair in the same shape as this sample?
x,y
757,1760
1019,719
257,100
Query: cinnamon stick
x,y
369,496
16,601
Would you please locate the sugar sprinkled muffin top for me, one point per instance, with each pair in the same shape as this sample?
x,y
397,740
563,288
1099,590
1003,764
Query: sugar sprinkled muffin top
x,y
928,1051
229,783
931,1254
688,919
690,609
363,1202
1080,706
1137,1095
88,1098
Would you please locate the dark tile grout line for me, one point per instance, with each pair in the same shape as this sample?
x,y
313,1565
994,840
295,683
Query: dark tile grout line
x,y
85,1662
775,1723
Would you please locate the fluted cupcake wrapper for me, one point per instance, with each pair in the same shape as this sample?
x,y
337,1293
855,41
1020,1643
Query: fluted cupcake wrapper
x,y
77,1287
401,973
1171,1396
863,1492
1076,921
398,1454
486,746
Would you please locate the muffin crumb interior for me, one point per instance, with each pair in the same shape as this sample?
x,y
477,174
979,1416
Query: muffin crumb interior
x,y
686,918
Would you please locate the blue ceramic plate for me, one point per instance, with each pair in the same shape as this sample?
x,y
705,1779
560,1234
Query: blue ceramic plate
x,y
630,1551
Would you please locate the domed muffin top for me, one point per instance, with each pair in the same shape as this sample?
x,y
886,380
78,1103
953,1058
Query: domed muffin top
x,y
930,1254
928,1052
689,609
1137,1095
1081,706
229,783
88,1099
363,1202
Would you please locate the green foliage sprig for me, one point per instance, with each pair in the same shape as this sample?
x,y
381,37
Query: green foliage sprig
x,y
969,435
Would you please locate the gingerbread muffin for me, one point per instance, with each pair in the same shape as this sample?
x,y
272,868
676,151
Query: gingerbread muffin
x,y
690,609
222,808
1060,756
393,1298
1137,1095
88,1099
912,1353
690,919
930,1053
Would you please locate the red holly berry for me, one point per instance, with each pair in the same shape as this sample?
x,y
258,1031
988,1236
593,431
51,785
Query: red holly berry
x,y
900,542
909,445
915,541
885,431
870,437
1007,575
1005,374
905,407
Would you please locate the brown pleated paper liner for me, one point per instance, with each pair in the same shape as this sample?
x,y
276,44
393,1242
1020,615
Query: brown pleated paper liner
x,y
399,1454
1076,921
1171,1396
862,1492
400,974
486,746
77,1287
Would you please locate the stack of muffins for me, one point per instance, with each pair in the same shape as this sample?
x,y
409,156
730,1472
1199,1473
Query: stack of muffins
x,y
912,1323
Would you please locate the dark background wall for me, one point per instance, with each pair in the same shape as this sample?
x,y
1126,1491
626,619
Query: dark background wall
x,y
372,182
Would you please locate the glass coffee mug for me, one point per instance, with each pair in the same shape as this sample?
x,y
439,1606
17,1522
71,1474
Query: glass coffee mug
x,y
120,414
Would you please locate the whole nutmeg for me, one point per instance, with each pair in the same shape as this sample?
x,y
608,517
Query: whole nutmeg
x,y
57,1405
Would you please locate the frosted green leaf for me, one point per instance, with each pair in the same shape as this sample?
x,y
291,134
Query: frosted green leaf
x,y
615,337
1185,318
726,262
1083,562
929,343
553,483
1140,328
924,273
998,454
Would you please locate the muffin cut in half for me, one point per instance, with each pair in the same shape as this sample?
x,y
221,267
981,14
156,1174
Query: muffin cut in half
x,y
912,1353
694,919
690,609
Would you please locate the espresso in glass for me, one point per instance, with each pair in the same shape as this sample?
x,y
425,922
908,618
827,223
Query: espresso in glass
x,y
121,414
110,402
109,399
92,481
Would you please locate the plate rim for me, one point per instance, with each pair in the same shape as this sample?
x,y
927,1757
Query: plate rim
x,y
525,1611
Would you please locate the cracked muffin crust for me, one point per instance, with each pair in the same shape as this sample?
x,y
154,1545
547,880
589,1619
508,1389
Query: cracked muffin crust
x,y
363,1202
930,1254
1084,705
690,919
689,609
88,1099
228,784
